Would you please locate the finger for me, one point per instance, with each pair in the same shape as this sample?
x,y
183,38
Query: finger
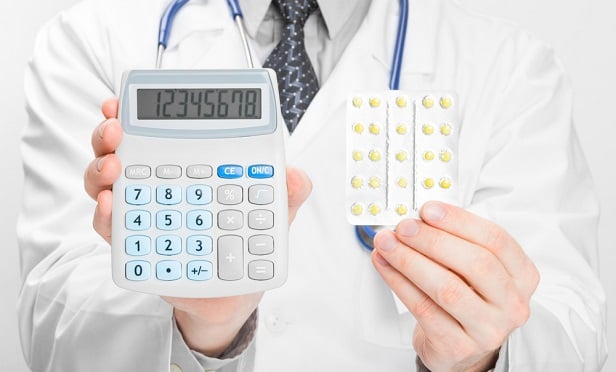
x,y
110,108
101,174
106,137
444,331
479,231
299,188
444,287
464,258
102,215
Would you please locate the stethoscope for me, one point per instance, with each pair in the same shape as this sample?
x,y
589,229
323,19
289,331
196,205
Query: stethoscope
x,y
365,234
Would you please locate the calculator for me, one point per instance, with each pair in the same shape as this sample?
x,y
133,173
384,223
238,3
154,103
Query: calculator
x,y
200,209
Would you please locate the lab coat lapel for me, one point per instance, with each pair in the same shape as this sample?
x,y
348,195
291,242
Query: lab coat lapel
x,y
355,72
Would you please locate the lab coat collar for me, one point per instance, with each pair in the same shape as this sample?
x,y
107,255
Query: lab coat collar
x,y
254,12
335,14
199,16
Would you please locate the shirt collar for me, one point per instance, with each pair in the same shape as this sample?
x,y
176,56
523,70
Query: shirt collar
x,y
335,13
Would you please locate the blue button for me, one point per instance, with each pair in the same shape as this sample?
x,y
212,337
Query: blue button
x,y
168,270
137,194
168,245
199,245
199,195
230,171
168,220
137,220
137,245
168,195
260,171
137,270
199,270
199,219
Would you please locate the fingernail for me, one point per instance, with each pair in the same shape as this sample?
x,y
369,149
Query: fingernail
x,y
102,127
408,228
385,241
433,212
100,162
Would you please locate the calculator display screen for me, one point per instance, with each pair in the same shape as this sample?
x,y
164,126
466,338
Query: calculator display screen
x,y
203,104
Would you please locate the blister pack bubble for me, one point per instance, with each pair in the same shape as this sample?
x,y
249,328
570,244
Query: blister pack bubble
x,y
401,151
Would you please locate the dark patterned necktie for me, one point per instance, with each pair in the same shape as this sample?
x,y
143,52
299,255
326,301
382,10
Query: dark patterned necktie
x,y
297,81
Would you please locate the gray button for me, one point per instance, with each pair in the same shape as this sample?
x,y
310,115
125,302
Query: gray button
x,y
230,220
230,194
168,171
261,244
261,194
230,257
261,219
261,270
199,171
138,172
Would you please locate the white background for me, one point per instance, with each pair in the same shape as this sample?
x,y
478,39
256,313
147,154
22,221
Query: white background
x,y
583,33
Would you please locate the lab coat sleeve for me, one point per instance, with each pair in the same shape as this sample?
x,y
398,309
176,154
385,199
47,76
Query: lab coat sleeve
x,y
71,315
535,182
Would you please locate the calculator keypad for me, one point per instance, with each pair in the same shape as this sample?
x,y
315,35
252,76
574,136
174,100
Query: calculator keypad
x,y
199,230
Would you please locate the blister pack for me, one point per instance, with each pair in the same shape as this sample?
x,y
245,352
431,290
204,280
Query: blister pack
x,y
401,152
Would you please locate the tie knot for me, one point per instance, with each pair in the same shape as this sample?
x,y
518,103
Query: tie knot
x,y
296,11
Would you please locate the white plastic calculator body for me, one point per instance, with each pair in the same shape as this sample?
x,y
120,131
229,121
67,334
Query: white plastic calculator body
x,y
200,209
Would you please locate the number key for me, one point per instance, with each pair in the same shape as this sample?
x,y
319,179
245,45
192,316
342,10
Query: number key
x,y
199,245
138,194
137,220
168,195
199,195
137,270
168,220
168,245
199,220
137,245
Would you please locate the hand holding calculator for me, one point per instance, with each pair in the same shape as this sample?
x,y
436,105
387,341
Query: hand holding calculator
x,y
200,209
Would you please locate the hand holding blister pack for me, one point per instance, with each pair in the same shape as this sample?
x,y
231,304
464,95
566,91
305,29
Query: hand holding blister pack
x,y
401,153
200,209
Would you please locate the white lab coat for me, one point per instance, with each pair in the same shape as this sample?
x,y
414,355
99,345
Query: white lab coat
x,y
520,165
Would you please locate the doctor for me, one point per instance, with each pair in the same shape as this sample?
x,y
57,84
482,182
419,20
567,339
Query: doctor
x,y
508,282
